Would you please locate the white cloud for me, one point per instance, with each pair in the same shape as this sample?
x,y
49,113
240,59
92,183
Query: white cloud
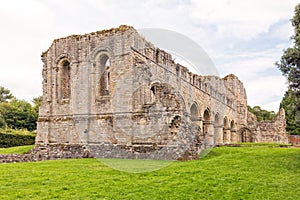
x,y
283,31
266,91
263,82
221,27
241,19
26,24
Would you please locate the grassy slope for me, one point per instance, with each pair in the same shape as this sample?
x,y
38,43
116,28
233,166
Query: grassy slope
x,y
16,150
226,173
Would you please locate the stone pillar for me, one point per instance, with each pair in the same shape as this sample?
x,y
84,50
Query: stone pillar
x,y
233,136
209,134
226,136
218,135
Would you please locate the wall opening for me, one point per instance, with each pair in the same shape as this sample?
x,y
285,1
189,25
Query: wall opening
x,y
246,135
206,121
218,136
65,79
194,113
104,81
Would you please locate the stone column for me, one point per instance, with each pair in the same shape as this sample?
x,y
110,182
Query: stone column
x,y
218,134
209,133
233,136
226,136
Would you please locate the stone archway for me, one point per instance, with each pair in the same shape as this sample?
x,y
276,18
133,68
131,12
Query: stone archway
x,y
194,113
208,128
196,120
246,135
218,131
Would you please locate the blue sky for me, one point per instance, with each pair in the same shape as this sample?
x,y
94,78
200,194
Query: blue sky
x,y
244,37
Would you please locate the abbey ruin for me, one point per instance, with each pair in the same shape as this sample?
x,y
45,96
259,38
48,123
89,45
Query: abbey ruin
x,y
117,95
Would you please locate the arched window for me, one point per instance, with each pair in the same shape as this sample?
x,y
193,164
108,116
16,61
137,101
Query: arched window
x,y
217,120
65,79
104,82
206,121
206,115
194,111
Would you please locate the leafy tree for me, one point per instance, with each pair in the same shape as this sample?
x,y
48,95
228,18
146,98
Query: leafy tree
x,y
5,94
289,65
2,122
261,114
292,114
36,104
19,114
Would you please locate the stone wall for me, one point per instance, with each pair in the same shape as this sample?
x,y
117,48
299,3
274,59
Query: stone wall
x,y
274,131
294,140
48,152
120,96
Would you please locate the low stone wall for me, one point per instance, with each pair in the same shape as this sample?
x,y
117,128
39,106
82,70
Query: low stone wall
x,y
294,140
274,131
48,152
68,151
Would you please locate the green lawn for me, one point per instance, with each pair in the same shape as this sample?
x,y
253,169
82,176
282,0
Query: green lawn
x,y
226,173
16,150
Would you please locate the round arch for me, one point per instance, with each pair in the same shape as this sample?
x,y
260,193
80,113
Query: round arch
x,y
103,62
64,78
194,110
207,115
217,119
246,135
225,123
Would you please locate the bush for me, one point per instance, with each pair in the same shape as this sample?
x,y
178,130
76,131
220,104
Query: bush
x,y
11,138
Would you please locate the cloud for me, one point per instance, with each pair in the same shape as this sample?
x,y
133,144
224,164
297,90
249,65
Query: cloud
x,y
266,91
240,19
26,24
242,37
264,83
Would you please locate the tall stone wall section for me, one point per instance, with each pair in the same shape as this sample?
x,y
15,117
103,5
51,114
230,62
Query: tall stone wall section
x,y
120,96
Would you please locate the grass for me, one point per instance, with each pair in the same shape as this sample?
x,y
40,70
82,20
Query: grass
x,y
225,173
251,144
16,150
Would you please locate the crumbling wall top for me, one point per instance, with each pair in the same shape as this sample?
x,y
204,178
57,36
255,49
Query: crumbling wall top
x,y
105,32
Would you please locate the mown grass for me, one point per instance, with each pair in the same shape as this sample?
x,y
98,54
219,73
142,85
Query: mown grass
x,y
251,144
225,173
16,150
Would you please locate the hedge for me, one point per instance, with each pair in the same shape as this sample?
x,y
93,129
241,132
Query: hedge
x,y
12,138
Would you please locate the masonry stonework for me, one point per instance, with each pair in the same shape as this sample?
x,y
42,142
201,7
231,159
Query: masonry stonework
x,y
119,96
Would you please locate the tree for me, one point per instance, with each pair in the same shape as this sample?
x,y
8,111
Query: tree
x,y
5,94
261,114
19,114
2,122
289,65
292,114
36,105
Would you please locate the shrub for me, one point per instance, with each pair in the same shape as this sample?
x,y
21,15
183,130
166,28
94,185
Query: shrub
x,y
11,138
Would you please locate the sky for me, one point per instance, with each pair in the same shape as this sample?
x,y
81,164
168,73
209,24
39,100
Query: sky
x,y
244,38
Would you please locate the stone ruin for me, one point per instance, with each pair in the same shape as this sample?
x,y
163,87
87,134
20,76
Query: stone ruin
x,y
116,95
